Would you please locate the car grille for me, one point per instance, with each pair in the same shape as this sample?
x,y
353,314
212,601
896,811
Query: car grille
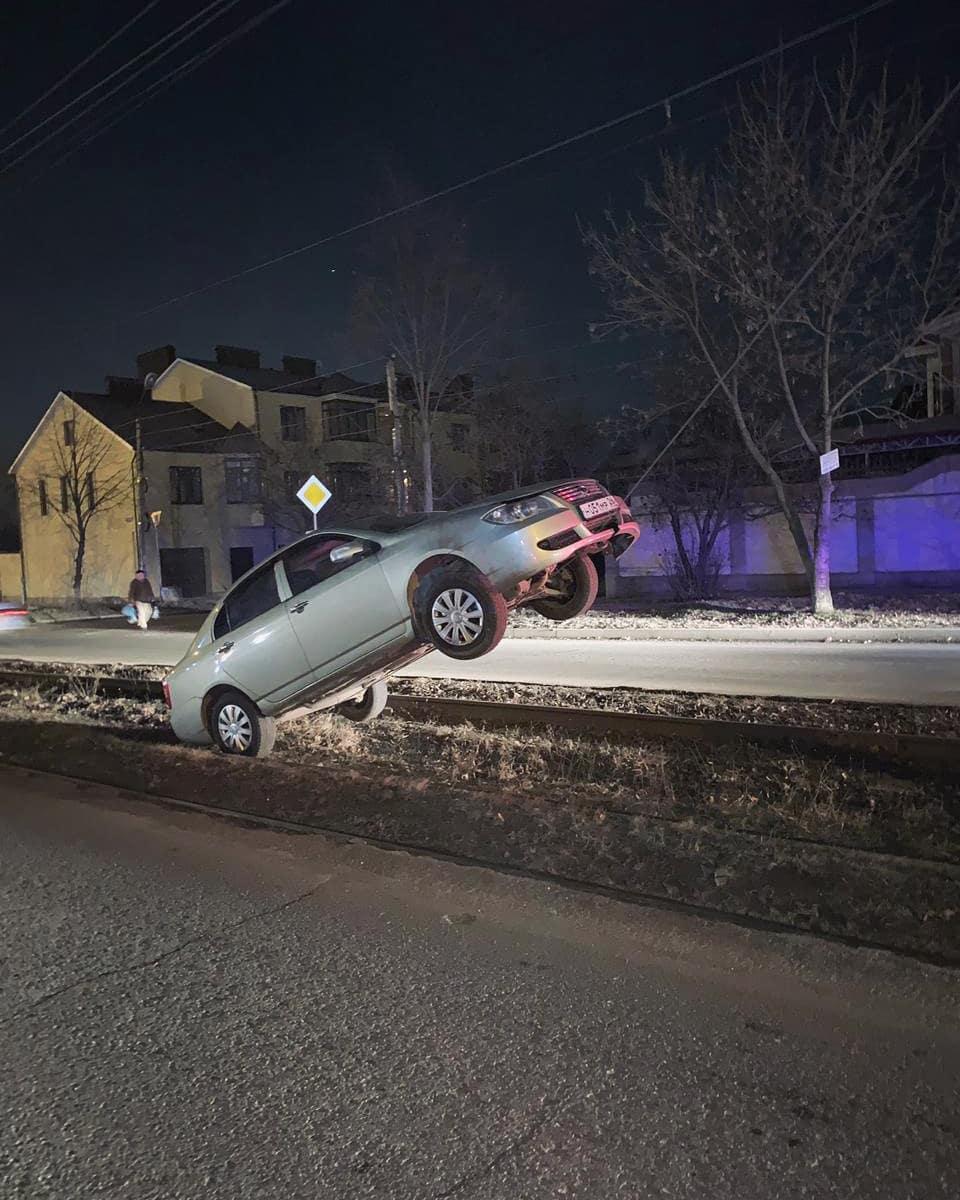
x,y
580,491
560,540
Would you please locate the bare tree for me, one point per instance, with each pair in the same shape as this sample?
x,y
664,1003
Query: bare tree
x,y
92,478
800,270
698,484
438,311
512,423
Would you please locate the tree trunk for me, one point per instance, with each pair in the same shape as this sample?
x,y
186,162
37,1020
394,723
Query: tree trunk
x,y
426,453
78,563
822,594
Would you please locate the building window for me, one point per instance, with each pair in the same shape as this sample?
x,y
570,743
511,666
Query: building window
x,y
293,423
186,485
64,493
350,483
68,433
91,492
243,480
42,496
459,436
349,420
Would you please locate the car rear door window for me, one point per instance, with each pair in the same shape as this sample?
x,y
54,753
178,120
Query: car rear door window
x,y
308,562
251,599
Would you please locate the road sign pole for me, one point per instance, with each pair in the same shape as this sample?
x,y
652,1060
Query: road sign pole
x,y
314,522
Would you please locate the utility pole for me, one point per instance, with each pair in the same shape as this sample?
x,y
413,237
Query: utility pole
x,y
399,480
137,484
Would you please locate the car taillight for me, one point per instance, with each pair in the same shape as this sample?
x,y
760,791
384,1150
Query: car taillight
x,y
13,612
168,702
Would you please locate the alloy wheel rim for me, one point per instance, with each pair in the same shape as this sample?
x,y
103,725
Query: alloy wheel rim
x,y
235,728
457,617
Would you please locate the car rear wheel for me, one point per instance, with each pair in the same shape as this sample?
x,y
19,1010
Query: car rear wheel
x,y
459,612
237,727
367,707
571,590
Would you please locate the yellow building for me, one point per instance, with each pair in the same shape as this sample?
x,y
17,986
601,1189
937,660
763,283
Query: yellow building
x,y
329,425
81,496
192,470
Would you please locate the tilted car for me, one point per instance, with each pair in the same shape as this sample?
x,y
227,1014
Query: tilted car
x,y
323,622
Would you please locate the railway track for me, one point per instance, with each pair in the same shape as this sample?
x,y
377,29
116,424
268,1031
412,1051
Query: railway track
x,y
918,750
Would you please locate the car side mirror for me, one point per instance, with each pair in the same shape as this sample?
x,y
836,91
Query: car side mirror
x,y
347,552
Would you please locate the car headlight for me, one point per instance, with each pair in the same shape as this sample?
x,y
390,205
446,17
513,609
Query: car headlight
x,y
520,510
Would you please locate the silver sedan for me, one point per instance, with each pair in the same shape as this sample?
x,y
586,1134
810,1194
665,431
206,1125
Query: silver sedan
x,y
326,620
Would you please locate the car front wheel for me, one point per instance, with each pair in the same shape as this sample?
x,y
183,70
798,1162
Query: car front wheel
x,y
367,707
237,727
571,590
459,612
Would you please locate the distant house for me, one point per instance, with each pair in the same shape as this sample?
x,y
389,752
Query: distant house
x,y
198,466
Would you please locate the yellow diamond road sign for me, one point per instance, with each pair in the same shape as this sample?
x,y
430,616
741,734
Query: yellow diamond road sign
x,y
314,494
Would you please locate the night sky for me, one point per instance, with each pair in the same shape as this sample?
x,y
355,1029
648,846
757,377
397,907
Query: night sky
x,y
282,138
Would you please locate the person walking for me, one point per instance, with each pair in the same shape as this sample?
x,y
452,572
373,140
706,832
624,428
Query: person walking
x,y
142,598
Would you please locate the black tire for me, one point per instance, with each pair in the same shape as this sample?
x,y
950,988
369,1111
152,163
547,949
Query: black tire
x,y
576,584
237,728
367,707
459,613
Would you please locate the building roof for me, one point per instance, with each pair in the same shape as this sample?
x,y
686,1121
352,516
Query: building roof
x,y
270,379
170,427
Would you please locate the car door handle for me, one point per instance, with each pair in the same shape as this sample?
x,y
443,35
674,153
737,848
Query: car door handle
x,y
227,646
298,608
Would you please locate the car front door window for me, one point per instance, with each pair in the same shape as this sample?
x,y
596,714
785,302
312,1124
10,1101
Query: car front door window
x,y
310,563
342,607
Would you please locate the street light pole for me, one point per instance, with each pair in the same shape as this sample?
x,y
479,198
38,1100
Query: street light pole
x,y
396,435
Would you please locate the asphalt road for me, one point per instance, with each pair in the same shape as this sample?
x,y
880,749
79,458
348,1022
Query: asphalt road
x,y
192,1009
884,672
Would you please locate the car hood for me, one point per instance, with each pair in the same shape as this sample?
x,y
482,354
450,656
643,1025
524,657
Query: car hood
x,y
532,489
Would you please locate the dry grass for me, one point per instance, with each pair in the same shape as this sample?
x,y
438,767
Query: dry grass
x,y
764,792
760,791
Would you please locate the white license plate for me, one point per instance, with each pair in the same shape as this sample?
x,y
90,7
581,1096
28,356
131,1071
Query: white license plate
x,y
594,508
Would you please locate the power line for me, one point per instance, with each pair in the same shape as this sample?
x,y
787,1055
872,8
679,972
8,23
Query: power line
x,y
217,8
281,389
618,366
167,81
79,66
400,210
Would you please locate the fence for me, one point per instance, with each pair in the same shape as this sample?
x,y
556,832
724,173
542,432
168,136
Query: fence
x,y
888,533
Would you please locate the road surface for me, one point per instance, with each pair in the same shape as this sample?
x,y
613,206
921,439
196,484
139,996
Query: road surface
x,y
192,1009
909,673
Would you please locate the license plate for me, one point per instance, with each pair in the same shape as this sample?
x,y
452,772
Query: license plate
x,y
594,508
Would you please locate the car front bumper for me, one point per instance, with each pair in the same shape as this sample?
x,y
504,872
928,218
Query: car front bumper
x,y
520,552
